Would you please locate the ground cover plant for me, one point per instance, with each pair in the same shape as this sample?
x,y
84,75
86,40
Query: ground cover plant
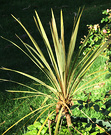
x,y
12,76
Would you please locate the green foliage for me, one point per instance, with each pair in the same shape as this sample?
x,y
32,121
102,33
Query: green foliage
x,y
86,128
34,128
98,35
101,106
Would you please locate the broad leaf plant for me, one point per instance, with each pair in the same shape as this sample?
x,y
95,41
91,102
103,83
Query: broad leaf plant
x,y
63,71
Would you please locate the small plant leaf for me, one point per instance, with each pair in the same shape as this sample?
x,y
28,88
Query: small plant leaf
x,y
94,133
42,120
96,108
32,132
89,127
102,110
91,104
86,105
97,100
80,101
80,107
73,107
108,76
108,104
37,125
31,127
106,112
44,130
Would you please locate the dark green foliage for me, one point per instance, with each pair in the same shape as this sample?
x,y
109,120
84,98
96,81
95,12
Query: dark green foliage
x,y
82,124
108,104
97,107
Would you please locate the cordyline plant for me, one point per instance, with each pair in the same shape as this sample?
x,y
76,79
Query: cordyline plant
x,y
64,73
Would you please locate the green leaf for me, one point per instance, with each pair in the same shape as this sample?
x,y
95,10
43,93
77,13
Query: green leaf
x,y
37,125
73,107
42,120
86,105
31,127
106,113
97,100
88,125
85,133
28,133
91,104
94,133
89,128
102,20
108,76
44,130
108,103
80,107
102,110
96,108
106,19
80,101
33,132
